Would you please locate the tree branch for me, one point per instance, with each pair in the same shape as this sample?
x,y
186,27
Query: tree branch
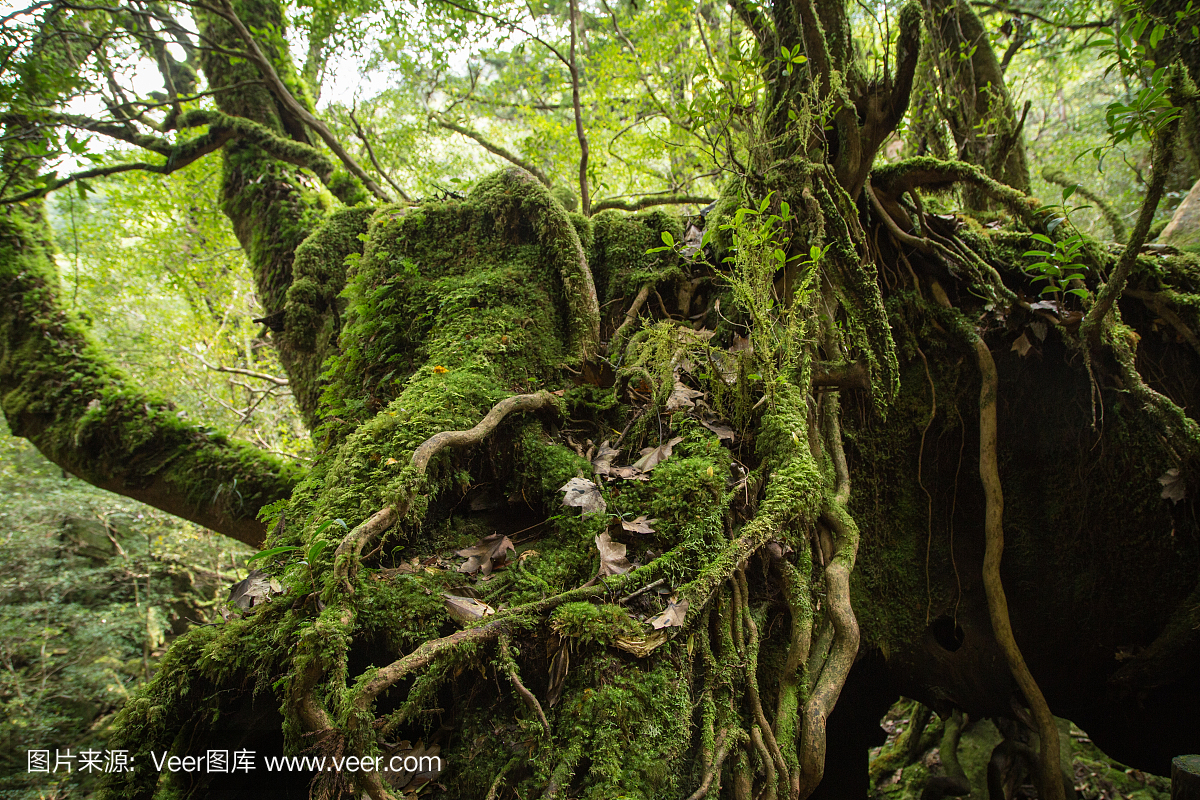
x,y
284,96
649,201
493,148
61,393
358,129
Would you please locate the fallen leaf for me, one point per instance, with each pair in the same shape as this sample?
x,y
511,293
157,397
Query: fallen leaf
x,y
439,370
466,609
1045,305
629,473
559,666
530,553
484,555
253,591
639,525
402,779
642,646
1022,345
602,463
721,430
673,617
1039,330
1174,488
653,456
583,494
682,397
612,556
741,344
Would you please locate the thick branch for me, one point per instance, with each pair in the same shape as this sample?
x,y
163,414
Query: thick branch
x,y
284,96
652,200
1164,156
60,392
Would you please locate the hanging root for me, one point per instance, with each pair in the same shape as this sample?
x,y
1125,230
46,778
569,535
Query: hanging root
x,y
438,442
1049,769
514,677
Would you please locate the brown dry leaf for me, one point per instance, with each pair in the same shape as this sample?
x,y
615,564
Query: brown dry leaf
x,y
671,618
602,463
612,556
466,609
530,553
486,554
402,779
639,525
653,456
583,494
642,646
682,397
255,590
722,430
1174,488
629,474
1022,345
559,666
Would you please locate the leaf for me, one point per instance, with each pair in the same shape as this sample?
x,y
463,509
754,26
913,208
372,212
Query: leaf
x,y
560,665
629,474
639,525
741,344
682,397
722,430
466,609
583,494
400,778
253,591
672,617
602,463
274,551
612,556
1174,487
653,456
485,554
1022,345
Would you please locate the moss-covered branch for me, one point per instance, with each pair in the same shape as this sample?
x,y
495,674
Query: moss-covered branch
x,y
60,392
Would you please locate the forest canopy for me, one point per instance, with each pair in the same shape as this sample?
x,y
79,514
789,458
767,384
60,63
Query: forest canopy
x,y
625,398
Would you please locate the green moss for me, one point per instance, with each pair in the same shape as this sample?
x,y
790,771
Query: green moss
x,y
588,622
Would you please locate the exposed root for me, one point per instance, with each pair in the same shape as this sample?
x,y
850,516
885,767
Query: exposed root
x,y
438,442
724,744
514,677
989,473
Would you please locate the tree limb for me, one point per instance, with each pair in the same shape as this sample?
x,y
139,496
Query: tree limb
x,y
61,393
493,148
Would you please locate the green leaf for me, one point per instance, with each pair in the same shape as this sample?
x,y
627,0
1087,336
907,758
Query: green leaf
x,y
274,551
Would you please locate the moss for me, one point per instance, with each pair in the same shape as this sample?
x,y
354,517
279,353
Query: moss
x,y
620,264
588,622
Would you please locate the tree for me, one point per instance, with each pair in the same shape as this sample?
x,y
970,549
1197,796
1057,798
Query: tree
x,y
678,415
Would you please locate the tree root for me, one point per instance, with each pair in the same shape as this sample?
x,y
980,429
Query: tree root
x,y
514,677
440,441
989,473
